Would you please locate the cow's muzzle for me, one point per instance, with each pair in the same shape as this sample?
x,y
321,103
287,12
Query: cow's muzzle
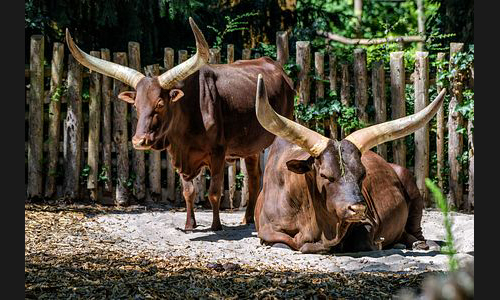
x,y
140,143
355,212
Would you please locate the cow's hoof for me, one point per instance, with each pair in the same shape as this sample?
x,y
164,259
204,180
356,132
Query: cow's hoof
x,y
190,226
247,220
420,245
282,246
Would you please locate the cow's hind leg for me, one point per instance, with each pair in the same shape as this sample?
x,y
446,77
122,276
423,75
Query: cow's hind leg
x,y
189,193
254,172
215,189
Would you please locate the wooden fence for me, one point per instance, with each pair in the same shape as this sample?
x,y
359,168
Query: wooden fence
x,y
78,143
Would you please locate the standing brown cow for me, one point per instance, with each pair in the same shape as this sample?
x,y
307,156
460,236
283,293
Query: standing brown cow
x,y
202,115
321,194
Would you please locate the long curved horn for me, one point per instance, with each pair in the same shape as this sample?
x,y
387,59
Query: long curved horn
x,y
372,136
117,71
168,79
307,139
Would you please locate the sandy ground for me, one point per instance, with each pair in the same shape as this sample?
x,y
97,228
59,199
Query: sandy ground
x,y
161,233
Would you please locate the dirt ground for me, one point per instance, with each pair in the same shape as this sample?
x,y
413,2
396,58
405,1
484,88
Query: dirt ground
x,y
144,253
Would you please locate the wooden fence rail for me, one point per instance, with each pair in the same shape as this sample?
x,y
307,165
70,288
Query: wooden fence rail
x,y
93,149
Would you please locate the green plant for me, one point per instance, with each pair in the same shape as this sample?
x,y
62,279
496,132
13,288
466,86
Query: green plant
x,y
442,204
84,174
59,92
239,180
232,25
103,174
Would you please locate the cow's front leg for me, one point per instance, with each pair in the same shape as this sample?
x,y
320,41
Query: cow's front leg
x,y
189,193
254,172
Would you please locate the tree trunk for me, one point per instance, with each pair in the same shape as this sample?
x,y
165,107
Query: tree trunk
x,y
398,104
35,139
470,198
440,130
455,139
94,130
120,135
106,94
138,163
379,100
421,23
56,85
361,84
421,85
72,145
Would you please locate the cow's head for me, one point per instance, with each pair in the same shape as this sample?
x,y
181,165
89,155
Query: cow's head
x,y
152,95
336,165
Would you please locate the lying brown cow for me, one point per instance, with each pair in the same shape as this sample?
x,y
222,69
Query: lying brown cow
x,y
324,195
202,115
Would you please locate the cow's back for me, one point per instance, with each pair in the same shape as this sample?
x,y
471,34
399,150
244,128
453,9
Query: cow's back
x,y
236,86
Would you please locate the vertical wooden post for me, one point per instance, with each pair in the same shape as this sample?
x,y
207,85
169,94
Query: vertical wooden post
x,y
440,129
303,59
332,76
94,130
120,135
358,13
214,56
345,93
379,100
421,23
168,63
398,104
35,139
246,53
154,170
282,52
455,139
230,53
138,163
257,55
470,137
319,69
183,56
421,84
72,149
56,81
107,92
360,83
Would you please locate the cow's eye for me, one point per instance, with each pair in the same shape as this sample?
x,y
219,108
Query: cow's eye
x,y
331,179
160,103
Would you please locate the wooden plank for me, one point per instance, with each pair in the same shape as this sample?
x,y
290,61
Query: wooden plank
x,y
379,100
332,76
440,130
56,86
303,59
455,139
72,131
214,56
282,52
168,62
94,130
421,169
470,138
345,92
319,70
35,122
398,104
183,56
244,189
230,53
120,135
361,84
246,53
154,170
138,162
106,94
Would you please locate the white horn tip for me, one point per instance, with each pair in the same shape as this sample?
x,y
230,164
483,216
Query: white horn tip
x,y
261,88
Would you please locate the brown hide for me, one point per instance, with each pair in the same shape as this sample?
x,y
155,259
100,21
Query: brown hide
x,y
292,210
217,114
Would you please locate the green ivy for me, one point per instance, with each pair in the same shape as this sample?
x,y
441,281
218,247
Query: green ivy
x,y
232,25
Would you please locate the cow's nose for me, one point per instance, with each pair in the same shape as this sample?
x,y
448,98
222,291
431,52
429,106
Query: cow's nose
x,y
357,209
138,142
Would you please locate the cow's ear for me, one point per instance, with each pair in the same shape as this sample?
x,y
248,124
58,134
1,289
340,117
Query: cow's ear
x,y
128,96
176,94
300,166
